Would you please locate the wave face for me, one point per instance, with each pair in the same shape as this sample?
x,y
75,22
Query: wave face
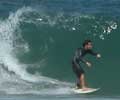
x,y
38,40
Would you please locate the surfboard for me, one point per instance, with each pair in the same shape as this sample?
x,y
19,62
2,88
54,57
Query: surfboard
x,y
81,91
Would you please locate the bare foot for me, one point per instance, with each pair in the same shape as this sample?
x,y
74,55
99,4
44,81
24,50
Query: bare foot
x,y
85,89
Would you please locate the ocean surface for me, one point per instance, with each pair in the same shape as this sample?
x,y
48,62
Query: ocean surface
x,y
38,39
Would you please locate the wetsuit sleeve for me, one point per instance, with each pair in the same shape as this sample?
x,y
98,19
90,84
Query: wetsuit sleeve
x,y
82,59
80,56
93,53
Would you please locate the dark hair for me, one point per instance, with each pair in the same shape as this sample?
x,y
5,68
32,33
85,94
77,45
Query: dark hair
x,y
86,42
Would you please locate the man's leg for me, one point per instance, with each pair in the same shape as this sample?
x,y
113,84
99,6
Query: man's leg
x,y
78,83
80,74
82,82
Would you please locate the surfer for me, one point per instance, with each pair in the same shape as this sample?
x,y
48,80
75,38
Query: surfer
x,y
78,58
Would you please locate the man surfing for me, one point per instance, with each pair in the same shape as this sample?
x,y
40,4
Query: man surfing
x,y
79,58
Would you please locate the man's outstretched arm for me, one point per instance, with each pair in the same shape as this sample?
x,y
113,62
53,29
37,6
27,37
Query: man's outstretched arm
x,y
95,54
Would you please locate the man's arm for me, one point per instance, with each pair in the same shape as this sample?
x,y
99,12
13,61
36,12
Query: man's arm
x,y
86,62
79,55
94,54
82,59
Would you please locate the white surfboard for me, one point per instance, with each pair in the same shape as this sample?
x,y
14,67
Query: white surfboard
x,y
81,91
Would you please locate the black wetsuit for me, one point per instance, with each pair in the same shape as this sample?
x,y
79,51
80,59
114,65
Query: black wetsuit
x,y
78,57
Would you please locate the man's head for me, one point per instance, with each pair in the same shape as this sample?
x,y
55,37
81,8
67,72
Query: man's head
x,y
87,44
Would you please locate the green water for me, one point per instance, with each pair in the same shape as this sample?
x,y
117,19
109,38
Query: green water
x,y
38,40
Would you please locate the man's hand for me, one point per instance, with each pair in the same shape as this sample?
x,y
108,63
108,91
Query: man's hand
x,y
98,56
88,64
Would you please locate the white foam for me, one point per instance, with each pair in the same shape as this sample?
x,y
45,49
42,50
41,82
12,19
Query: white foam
x,y
39,19
8,35
18,81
